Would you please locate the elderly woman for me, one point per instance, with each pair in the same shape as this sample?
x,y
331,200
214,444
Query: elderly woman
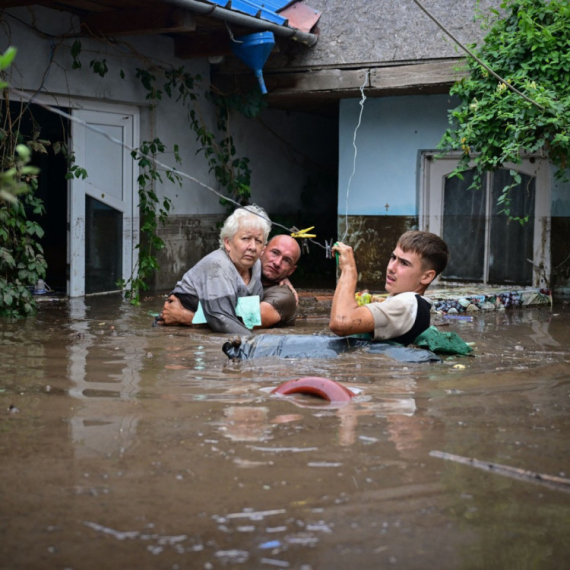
x,y
220,278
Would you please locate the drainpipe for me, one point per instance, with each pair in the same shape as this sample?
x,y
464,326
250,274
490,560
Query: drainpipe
x,y
244,20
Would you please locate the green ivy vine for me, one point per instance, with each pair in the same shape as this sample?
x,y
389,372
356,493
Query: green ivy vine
x,y
527,45
21,256
154,213
232,172
218,147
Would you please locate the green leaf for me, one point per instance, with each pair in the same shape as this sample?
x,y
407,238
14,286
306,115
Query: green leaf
x,y
7,57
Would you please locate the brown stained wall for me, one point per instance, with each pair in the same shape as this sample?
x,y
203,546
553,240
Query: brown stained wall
x,y
560,253
373,239
187,240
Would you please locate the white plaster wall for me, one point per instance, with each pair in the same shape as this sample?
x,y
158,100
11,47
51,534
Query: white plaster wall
x,y
285,149
45,64
392,132
279,159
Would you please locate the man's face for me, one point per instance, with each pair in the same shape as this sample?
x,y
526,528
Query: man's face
x,y
279,259
406,273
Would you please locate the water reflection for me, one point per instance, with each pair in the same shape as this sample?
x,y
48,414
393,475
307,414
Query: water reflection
x,y
246,423
103,368
213,468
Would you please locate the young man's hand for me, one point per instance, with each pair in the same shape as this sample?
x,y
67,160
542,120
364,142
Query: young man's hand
x,y
345,256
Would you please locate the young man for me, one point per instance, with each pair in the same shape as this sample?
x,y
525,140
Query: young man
x,y
419,257
279,304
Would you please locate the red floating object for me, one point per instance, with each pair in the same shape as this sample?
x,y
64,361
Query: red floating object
x,y
322,387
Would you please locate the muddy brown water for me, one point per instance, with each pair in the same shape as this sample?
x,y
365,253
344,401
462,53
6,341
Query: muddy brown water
x,y
128,446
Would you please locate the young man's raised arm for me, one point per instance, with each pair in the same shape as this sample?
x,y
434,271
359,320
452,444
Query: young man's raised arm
x,y
346,316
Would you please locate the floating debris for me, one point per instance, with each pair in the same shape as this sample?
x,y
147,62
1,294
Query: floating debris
x,y
270,544
236,556
277,563
559,483
254,515
280,449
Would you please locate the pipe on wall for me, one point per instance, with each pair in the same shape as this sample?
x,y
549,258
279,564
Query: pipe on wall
x,y
244,20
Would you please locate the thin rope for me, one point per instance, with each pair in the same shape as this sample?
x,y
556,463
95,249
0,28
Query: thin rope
x,y
361,103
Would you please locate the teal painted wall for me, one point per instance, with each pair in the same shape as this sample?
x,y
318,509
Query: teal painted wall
x,y
392,131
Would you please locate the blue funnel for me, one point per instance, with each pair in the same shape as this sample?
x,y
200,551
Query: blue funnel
x,y
253,50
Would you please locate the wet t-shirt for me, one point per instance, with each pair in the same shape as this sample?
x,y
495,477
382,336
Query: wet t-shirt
x,y
401,318
282,299
216,283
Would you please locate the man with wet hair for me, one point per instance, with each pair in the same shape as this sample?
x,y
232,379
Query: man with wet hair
x,y
419,257
278,306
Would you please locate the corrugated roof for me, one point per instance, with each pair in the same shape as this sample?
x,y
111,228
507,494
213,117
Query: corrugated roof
x,y
265,10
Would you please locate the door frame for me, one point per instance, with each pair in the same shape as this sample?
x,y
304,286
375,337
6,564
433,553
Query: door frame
x,y
78,189
432,176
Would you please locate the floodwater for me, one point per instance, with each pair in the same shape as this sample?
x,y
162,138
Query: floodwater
x,y
130,446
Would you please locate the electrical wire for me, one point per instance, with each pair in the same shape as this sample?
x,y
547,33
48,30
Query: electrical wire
x,y
361,103
481,63
152,159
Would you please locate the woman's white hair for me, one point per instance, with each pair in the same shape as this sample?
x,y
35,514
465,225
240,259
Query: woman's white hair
x,y
249,217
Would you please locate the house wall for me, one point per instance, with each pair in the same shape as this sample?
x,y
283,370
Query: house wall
x,y
383,197
560,232
285,148
383,193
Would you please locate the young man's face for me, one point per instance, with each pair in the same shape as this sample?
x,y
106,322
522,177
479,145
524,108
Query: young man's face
x,y
406,273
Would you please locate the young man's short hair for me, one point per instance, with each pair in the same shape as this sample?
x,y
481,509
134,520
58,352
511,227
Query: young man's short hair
x,y
431,248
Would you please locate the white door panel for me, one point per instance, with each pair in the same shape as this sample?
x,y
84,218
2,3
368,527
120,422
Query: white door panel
x,y
103,223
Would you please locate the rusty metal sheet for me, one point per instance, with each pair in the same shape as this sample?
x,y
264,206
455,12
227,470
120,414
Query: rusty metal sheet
x,y
301,16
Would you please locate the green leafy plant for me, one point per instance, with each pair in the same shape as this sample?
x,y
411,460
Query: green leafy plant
x,y
154,213
99,67
527,46
231,171
6,60
75,53
21,256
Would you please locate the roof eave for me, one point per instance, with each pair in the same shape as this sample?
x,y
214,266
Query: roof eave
x,y
245,20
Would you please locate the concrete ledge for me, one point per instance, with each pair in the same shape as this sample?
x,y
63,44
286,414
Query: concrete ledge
x,y
451,300
471,300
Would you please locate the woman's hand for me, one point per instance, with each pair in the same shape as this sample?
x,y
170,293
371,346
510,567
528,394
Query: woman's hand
x,y
174,313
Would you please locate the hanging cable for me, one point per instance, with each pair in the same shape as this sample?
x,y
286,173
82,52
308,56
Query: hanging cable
x,y
469,52
152,159
361,103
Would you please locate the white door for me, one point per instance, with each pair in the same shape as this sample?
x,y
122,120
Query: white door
x,y
103,209
485,245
